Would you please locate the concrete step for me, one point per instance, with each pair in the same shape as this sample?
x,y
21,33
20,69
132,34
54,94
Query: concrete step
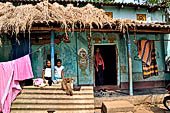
x,y
36,101
39,100
40,91
56,111
51,106
49,96
117,106
56,87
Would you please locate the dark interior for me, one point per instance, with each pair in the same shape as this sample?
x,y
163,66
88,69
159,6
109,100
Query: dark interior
x,y
108,53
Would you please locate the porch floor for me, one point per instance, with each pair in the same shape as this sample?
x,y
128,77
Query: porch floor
x,y
118,93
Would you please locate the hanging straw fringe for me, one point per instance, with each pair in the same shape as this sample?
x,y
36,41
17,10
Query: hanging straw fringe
x,y
21,18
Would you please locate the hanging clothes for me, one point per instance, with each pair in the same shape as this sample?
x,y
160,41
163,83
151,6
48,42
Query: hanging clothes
x,y
10,74
146,50
19,48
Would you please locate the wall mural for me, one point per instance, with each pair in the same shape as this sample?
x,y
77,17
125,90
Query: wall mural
x,y
83,61
104,37
68,55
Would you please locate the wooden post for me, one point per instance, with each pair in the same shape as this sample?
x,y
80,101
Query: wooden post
x,y
77,59
129,65
52,55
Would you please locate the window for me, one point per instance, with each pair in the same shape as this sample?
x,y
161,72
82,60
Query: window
x,y
141,17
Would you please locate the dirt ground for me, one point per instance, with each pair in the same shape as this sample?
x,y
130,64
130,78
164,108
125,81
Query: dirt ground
x,y
146,108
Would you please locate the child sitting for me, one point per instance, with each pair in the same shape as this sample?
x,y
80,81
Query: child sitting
x,y
59,75
47,72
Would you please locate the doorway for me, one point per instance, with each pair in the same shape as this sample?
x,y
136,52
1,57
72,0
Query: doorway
x,y
109,55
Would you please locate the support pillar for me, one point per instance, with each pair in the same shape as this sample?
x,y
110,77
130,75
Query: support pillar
x,y
52,55
129,65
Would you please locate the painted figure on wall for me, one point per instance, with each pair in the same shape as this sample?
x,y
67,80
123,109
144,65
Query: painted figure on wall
x,y
82,61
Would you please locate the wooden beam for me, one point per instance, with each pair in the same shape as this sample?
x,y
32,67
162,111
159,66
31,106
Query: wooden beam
x,y
161,31
138,30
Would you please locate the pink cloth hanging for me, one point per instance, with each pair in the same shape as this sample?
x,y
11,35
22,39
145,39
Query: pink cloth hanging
x,y
97,60
6,76
10,74
22,68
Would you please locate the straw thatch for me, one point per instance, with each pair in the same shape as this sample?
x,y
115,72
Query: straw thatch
x,y
18,19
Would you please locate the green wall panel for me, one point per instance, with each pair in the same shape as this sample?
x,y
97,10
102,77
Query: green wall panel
x,y
5,49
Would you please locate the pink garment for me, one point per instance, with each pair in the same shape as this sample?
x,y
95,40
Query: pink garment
x,y
97,60
10,74
22,68
6,76
38,81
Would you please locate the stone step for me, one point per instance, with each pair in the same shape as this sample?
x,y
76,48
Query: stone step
x,y
40,100
56,111
51,106
67,98
49,96
56,87
117,106
47,103
39,91
36,101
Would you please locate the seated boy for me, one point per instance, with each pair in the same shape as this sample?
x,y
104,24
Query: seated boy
x,y
47,72
59,75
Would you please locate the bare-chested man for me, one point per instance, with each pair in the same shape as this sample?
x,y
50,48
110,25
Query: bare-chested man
x,y
99,66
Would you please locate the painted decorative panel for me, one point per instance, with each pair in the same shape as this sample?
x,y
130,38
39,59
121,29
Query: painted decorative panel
x,y
68,54
141,17
109,14
85,76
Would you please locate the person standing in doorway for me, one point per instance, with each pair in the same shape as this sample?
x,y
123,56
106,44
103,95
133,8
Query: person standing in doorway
x,y
99,67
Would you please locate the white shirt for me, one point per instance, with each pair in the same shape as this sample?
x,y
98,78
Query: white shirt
x,y
47,72
58,71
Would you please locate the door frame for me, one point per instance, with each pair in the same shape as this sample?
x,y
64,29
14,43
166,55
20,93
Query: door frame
x,y
117,62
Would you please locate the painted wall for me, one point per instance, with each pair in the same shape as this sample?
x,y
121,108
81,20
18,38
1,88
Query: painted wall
x,y
5,49
136,62
69,54
78,66
130,13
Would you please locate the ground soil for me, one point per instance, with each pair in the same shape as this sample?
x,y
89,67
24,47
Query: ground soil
x,y
150,108
146,108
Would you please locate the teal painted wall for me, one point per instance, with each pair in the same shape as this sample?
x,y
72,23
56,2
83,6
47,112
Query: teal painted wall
x,y
137,64
167,51
5,50
37,60
130,13
69,54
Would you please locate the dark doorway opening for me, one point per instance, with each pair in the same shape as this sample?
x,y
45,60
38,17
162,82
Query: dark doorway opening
x,y
109,54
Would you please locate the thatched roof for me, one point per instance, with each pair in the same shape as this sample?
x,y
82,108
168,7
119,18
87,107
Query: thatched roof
x,y
18,19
